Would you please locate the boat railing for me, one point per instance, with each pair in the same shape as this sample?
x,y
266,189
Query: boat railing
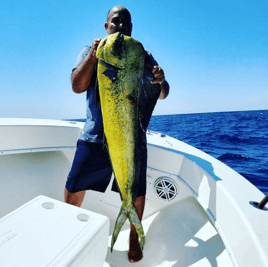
x,y
36,149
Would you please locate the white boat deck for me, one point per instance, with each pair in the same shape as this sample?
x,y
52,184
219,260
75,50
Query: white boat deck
x,y
207,222
186,238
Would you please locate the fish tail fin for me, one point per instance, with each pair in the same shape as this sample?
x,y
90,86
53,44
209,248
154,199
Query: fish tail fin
x,y
128,211
121,218
135,220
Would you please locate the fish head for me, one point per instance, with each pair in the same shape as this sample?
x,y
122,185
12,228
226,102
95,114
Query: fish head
x,y
112,50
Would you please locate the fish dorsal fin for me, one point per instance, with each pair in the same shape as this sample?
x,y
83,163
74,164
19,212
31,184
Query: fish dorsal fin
x,y
112,50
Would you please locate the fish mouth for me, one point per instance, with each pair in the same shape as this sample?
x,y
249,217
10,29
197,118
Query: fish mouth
x,y
123,31
118,45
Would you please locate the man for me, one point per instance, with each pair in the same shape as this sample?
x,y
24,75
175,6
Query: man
x,y
91,168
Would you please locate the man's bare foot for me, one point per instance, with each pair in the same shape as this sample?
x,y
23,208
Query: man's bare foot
x,y
135,252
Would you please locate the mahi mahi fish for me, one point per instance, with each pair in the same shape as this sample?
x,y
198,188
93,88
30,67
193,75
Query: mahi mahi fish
x,y
127,100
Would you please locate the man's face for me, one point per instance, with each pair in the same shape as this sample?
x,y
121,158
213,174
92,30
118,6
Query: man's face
x,y
119,20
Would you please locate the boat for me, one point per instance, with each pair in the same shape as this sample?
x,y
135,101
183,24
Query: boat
x,y
198,212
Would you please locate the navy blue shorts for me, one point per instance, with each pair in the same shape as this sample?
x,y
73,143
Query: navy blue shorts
x,y
92,170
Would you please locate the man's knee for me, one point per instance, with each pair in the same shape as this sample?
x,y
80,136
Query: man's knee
x,y
75,199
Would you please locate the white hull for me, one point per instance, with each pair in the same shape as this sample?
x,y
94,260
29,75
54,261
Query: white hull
x,y
208,222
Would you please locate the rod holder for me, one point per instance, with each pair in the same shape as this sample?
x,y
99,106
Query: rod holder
x,y
263,202
260,205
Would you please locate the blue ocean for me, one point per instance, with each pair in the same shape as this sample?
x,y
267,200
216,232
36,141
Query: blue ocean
x,y
238,139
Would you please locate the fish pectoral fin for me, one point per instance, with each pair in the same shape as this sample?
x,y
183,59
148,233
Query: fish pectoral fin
x,y
128,211
111,74
111,71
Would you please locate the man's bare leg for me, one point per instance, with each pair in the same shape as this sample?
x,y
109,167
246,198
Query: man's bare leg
x,y
135,253
75,199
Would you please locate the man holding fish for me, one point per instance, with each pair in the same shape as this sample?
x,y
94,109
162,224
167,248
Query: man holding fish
x,y
91,169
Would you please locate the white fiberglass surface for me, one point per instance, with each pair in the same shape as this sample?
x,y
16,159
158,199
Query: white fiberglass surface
x,y
25,176
179,235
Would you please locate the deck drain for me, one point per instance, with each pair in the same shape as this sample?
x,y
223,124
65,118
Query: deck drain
x,y
83,217
48,205
165,188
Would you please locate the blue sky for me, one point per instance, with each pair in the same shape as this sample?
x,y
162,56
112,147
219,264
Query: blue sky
x,y
214,53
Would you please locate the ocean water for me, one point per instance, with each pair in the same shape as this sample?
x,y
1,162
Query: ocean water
x,y
238,139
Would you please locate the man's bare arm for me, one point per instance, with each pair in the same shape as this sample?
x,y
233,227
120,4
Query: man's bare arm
x,y
160,78
164,90
81,76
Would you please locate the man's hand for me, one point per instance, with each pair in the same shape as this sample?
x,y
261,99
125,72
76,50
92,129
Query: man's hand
x,y
94,47
159,75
